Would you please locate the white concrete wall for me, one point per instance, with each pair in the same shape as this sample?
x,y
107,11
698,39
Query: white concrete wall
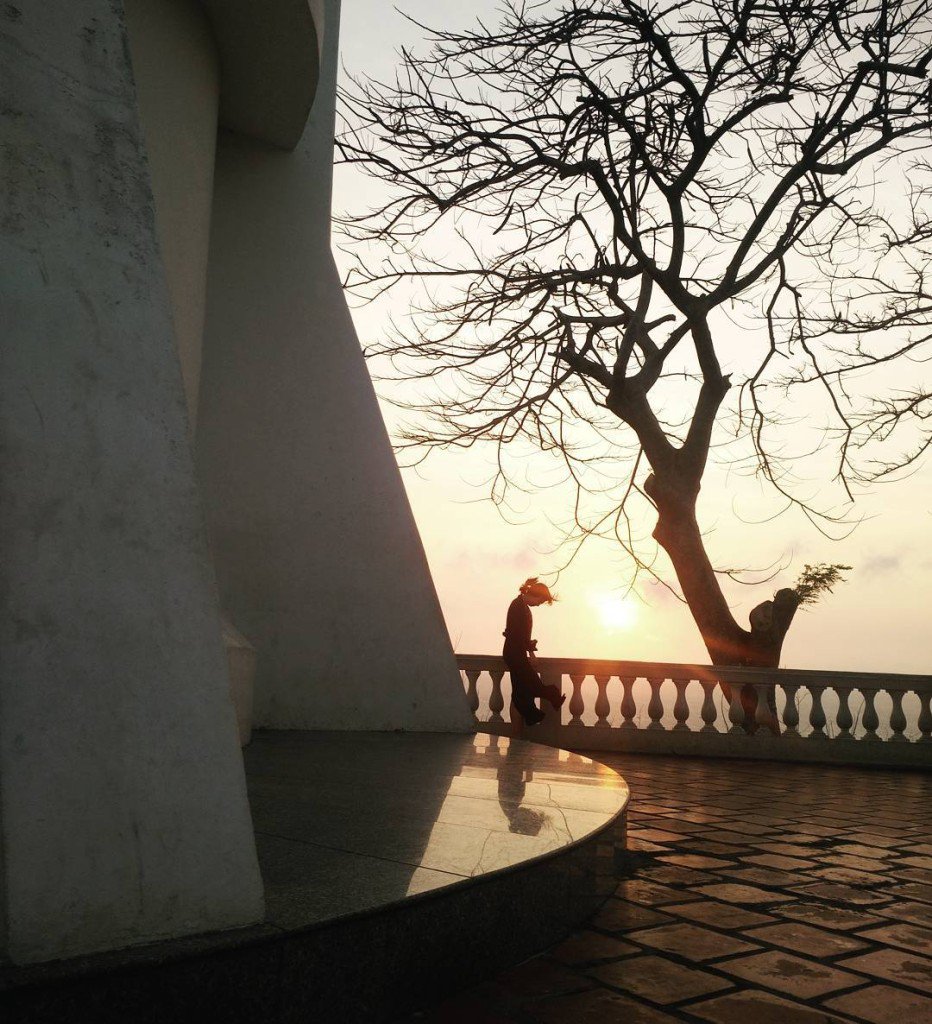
x,y
124,814
177,77
317,554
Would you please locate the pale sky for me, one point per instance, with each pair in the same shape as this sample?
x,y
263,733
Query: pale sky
x,y
877,621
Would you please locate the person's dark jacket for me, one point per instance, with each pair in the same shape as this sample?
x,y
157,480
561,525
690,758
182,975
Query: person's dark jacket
x,y
518,626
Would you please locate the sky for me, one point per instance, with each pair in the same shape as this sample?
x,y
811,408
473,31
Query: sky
x,y
877,621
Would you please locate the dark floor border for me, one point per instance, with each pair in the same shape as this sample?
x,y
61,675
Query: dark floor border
x,y
369,968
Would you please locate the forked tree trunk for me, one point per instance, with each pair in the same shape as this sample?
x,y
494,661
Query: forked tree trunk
x,y
678,534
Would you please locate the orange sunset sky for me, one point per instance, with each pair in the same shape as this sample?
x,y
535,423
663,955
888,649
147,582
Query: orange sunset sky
x,y
880,620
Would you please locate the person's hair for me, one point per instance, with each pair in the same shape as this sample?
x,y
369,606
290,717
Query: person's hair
x,y
534,587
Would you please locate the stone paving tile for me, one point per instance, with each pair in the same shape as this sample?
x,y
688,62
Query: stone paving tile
x,y
618,915
742,894
916,913
894,965
679,825
917,862
906,936
671,874
849,876
734,839
719,914
858,850
828,916
765,876
787,972
655,835
883,1004
650,893
691,860
644,846
786,849
749,828
659,980
914,875
858,863
869,839
753,1005
723,849
913,891
836,892
692,942
803,938
783,863
587,947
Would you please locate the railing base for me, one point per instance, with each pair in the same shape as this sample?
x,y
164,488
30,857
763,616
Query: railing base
x,y
869,753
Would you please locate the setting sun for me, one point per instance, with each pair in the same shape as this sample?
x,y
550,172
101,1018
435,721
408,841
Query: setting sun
x,y
615,611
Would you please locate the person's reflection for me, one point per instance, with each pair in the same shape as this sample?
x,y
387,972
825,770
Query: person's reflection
x,y
511,788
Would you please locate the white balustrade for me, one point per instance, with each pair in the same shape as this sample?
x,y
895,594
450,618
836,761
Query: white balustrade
x,y
846,716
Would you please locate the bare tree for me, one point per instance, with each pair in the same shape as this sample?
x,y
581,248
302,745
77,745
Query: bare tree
x,y
597,201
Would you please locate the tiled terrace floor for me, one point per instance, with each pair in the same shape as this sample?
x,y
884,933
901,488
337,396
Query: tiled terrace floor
x,y
761,893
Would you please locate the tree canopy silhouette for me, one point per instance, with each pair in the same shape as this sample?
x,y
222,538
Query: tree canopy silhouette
x,y
606,205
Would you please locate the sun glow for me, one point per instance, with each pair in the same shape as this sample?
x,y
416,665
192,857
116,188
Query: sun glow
x,y
615,611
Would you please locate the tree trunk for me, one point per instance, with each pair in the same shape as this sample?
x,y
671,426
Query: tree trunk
x,y
678,534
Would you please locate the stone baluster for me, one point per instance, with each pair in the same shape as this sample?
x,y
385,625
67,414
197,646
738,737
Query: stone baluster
x,y
680,707
735,709
925,715
602,706
472,693
817,712
790,711
628,707
496,700
897,717
576,703
709,712
764,716
844,718
655,705
869,719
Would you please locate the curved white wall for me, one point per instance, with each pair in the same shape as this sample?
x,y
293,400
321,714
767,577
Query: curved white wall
x,y
317,554
177,75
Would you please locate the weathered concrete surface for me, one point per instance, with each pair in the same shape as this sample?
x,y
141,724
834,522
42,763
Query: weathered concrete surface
x,y
124,815
177,76
318,558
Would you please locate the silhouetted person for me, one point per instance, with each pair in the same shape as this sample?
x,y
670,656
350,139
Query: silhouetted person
x,y
519,653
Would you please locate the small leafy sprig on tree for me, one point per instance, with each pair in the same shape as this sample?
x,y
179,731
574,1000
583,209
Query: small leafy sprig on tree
x,y
816,580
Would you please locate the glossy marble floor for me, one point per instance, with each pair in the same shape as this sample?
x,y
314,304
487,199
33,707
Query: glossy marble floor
x,y
347,823
397,867
762,893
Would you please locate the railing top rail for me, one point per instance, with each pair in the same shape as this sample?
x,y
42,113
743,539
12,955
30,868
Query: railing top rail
x,y
725,673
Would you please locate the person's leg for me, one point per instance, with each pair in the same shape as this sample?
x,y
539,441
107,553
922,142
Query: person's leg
x,y
522,696
548,693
